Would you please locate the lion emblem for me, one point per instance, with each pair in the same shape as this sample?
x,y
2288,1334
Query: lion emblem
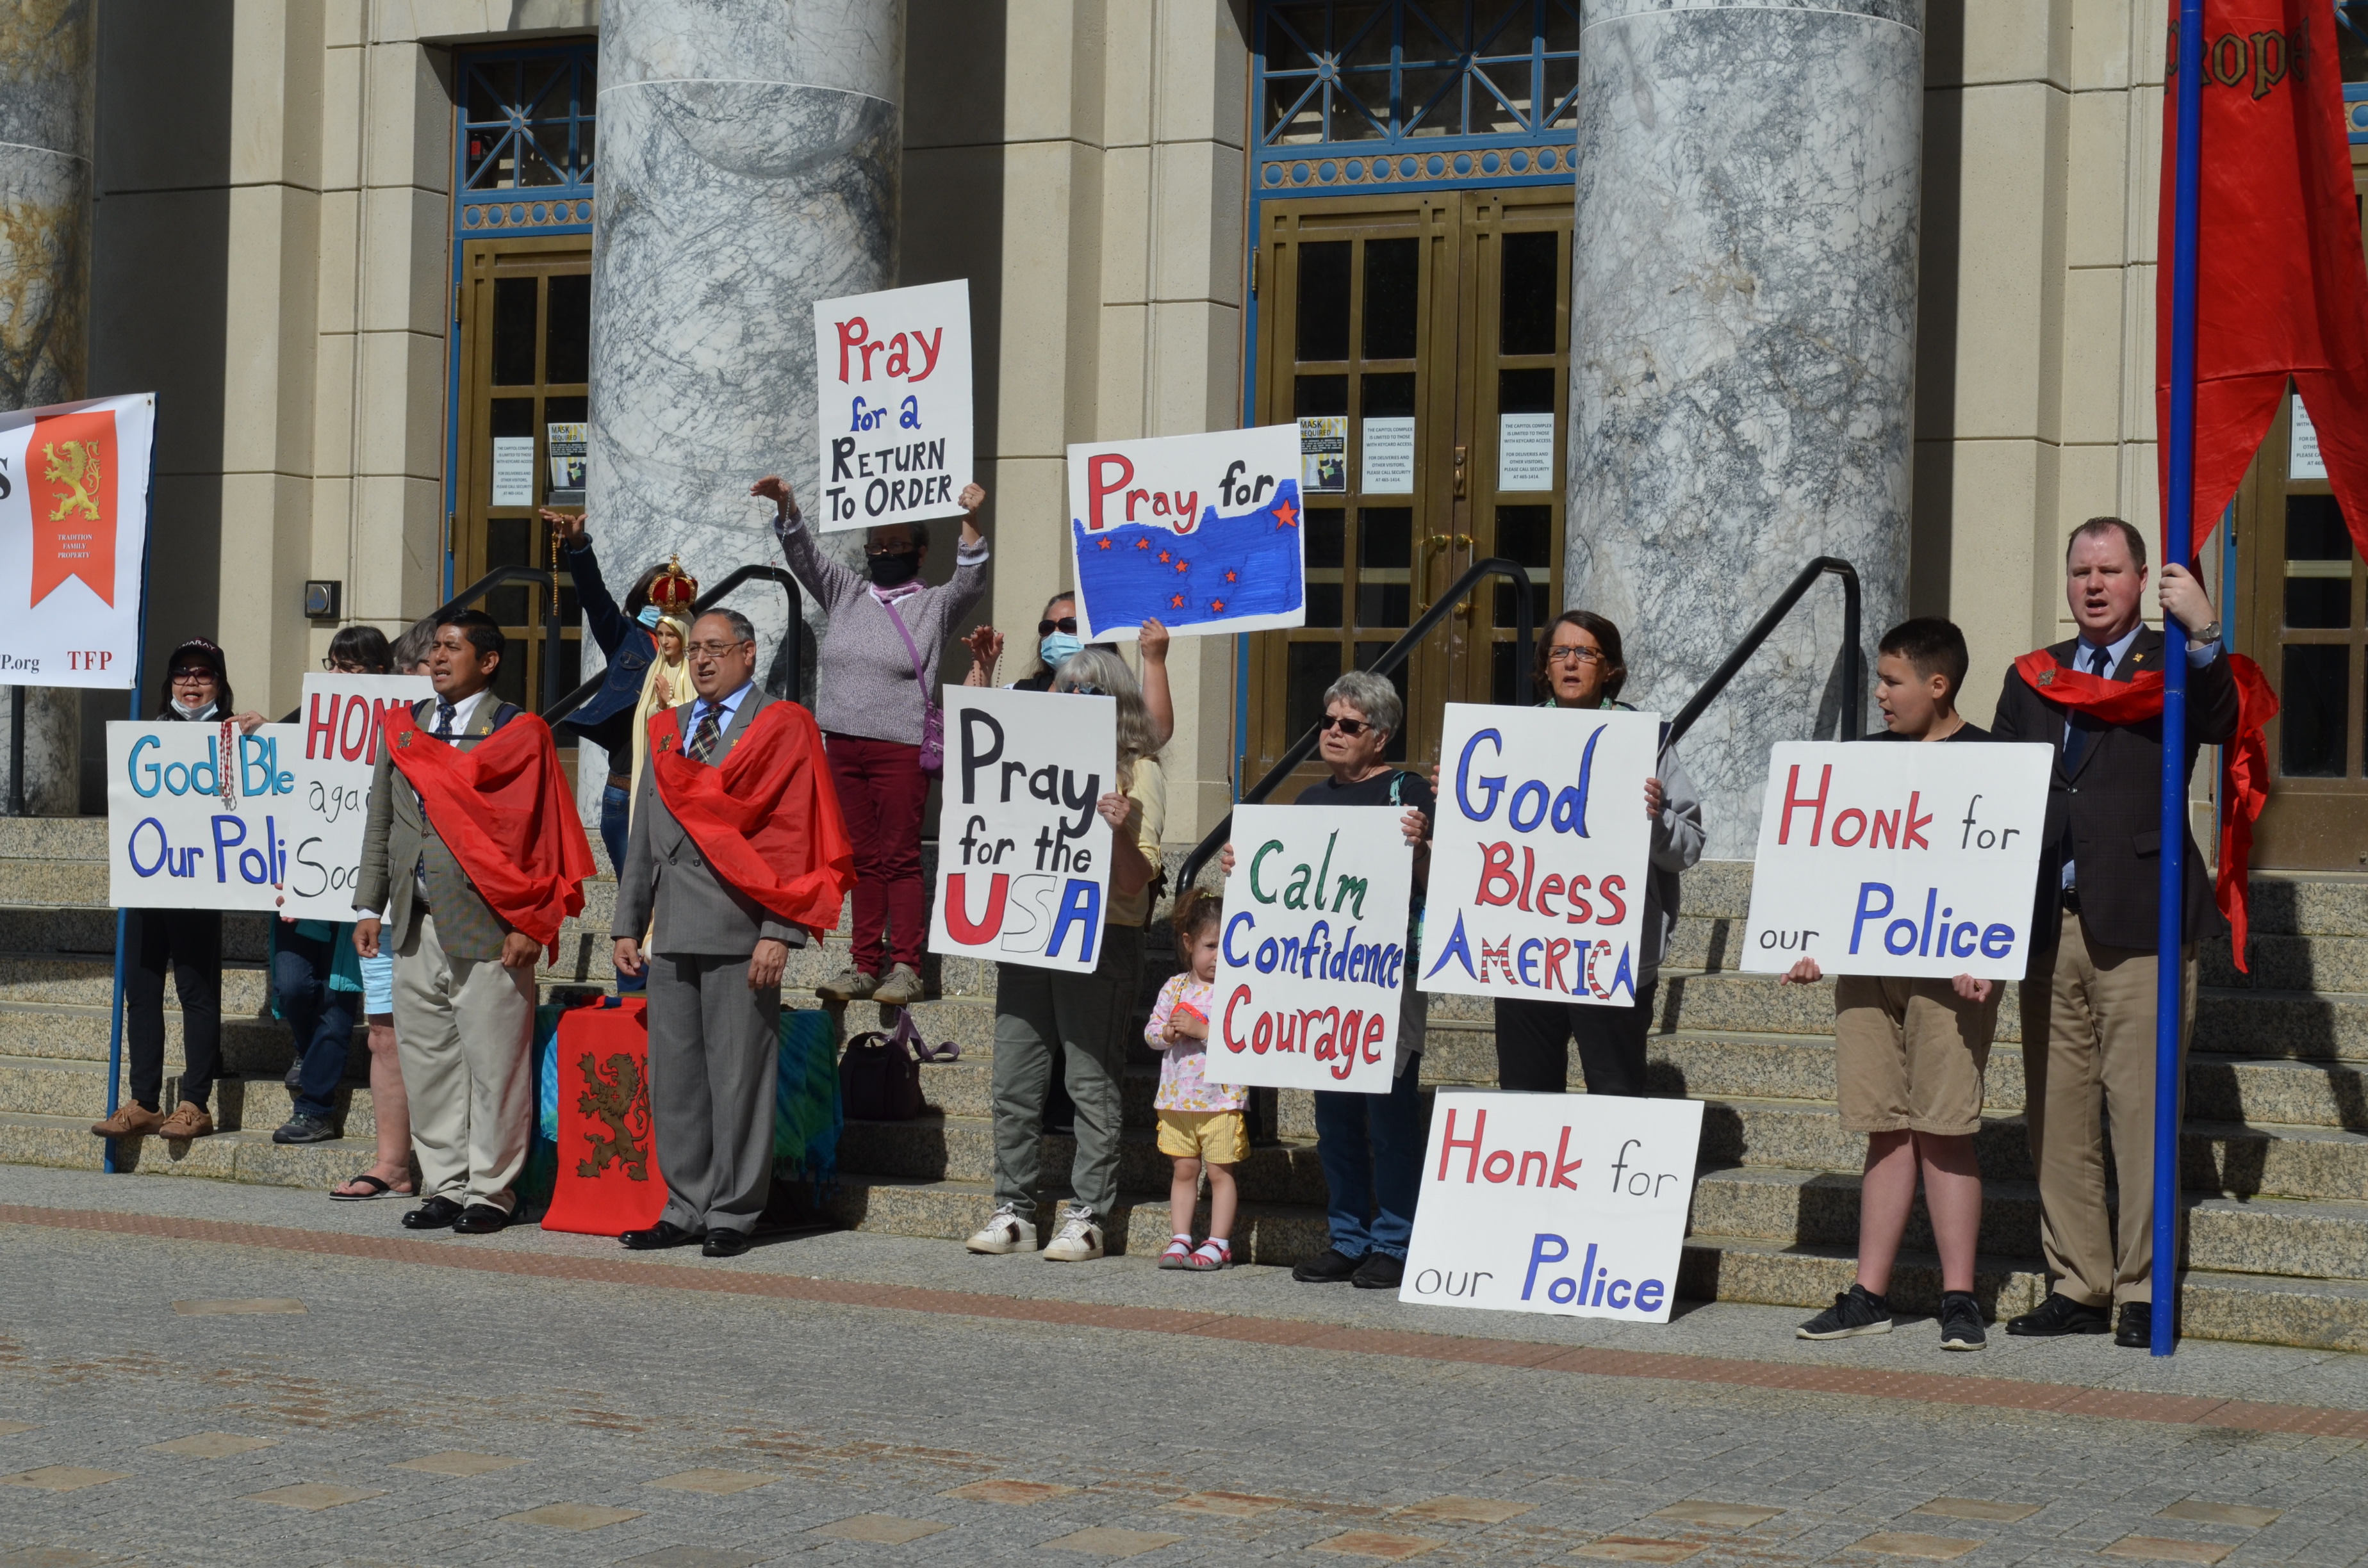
x,y
621,1101
78,470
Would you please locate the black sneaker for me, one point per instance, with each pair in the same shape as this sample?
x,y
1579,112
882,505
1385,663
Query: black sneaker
x,y
2058,1316
1380,1271
1329,1267
302,1128
1856,1311
1961,1322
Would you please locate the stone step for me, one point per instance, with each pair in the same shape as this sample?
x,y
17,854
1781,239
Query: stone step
x,y
90,981
248,1156
950,1211
249,1044
254,1102
2294,1024
2275,962
933,1148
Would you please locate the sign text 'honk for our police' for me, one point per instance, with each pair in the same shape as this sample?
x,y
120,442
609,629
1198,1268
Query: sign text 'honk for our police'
x,y
893,405
1023,856
1312,970
1569,1204
1900,859
1540,854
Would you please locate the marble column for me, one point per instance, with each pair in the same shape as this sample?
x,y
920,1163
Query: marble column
x,y
49,90
748,168
1743,311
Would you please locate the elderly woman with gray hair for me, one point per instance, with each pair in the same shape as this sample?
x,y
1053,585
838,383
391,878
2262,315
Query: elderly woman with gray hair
x,y
1371,1145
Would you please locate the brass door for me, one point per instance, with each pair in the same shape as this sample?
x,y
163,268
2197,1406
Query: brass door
x,y
1450,311
524,313
2301,601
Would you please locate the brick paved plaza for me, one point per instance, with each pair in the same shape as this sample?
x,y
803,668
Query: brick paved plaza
x,y
197,1373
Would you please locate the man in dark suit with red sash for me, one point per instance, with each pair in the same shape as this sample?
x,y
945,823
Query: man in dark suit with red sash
x,y
2088,1005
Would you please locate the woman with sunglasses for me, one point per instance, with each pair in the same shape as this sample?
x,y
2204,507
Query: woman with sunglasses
x,y
189,941
1580,665
1080,1025
1056,640
875,692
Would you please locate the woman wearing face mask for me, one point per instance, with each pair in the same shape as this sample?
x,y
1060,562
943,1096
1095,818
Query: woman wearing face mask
x,y
1056,640
875,684
188,940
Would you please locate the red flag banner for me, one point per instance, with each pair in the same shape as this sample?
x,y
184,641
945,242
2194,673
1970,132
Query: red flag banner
x,y
768,819
2281,287
70,464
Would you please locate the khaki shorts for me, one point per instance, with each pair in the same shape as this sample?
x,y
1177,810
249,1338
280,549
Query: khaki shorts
x,y
1910,1054
1219,1137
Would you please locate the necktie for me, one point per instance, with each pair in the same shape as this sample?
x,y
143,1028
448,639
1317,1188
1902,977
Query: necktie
x,y
444,711
2080,730
704,736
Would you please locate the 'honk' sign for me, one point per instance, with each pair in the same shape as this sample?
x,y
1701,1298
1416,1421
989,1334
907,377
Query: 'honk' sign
x,y
1540,854
1571,1204
1312,967
1023,856
1909,858
893,404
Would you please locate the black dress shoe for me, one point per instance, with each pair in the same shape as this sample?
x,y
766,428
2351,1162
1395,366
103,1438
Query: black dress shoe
x,y
2136,1326
665,1234
480,1220
1329,1267
436,1215
2058,1316
724,1244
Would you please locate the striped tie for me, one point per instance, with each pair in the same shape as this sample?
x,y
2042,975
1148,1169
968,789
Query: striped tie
x,y
703,738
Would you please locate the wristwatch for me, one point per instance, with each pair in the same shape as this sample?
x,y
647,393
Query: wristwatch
x,y
2204,638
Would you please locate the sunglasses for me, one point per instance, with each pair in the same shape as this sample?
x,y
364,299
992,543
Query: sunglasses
x,y
1067,623
1351,727
195,675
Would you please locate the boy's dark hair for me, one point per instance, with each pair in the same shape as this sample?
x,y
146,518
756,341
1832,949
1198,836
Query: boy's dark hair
x,y
1195,912
483,633
363,645
1932,647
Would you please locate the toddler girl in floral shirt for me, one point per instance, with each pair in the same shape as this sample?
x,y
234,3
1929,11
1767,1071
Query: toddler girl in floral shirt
x,y
1200,1122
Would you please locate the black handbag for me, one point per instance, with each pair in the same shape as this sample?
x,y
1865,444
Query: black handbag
x,y
879,1078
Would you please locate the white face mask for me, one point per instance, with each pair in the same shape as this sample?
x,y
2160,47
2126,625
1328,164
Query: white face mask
x,y
186,712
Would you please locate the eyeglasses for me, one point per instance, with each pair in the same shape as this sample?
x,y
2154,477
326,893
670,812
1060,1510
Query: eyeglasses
x,y
182,678
715,650
1579,656
343,667
1067,623
1351,727
1091,691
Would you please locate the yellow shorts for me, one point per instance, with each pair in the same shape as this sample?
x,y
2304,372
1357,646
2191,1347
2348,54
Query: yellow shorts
x,y
1909,1055
1219,1137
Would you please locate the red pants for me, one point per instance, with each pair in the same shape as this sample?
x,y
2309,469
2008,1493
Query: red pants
x,y
881,793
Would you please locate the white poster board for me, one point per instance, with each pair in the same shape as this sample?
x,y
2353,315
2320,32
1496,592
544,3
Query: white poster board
x,y
1569,1204
1540,852
200,816
74,540
1023,857
1906,859
1312,964
336,754
894,414
1199,532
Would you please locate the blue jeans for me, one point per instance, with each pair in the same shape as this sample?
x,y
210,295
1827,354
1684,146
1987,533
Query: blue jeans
x,y
615,815
322,1019
1371,1147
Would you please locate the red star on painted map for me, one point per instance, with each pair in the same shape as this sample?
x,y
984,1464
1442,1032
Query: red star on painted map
x,y
1142,544
1177,602
1286,515
1105,544
1164,556
1217,605
1183,566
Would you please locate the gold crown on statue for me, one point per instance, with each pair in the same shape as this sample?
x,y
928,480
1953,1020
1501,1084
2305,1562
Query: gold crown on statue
x,y
674,590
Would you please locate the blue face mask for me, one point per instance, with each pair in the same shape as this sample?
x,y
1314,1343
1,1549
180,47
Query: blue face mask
x,y
649,616
1057,647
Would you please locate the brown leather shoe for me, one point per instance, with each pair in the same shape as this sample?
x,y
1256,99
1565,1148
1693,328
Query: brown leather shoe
x,y
189,1120
131,1120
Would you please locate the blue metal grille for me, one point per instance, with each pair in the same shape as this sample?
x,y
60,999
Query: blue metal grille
x,y
1434,91
524,154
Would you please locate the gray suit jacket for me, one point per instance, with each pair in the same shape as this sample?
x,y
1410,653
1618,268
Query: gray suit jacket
x,y
698,912
398,835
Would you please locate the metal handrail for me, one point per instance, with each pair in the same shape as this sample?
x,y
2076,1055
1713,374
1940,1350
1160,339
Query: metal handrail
x,y
1396,653
1852,690
787,664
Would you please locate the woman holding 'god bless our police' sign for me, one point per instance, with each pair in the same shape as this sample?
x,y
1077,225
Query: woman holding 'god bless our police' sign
x,y
1369,1135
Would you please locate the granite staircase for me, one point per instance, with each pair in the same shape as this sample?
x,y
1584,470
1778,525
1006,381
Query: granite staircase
x,y
2274,1156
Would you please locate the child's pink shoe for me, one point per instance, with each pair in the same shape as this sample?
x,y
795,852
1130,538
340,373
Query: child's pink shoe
x,y
1214,1253
1178,1253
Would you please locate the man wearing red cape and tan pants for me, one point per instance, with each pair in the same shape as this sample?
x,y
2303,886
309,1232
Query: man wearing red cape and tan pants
x,y
738,851
475,856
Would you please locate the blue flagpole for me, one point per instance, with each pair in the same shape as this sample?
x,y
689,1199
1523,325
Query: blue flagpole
x,y
106,1162
2178,544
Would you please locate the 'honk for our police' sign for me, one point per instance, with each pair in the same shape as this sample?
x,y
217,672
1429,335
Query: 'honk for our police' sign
x,y
200,816
1910,858
1569,1204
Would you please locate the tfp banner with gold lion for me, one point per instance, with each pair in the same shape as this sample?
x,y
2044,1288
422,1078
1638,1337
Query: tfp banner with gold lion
x,y
73,534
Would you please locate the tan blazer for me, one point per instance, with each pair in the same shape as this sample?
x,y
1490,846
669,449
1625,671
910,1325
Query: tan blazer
x,y
398,837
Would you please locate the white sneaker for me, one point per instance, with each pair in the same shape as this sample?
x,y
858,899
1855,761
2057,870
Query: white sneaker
x,y
1006,1231
1079,1240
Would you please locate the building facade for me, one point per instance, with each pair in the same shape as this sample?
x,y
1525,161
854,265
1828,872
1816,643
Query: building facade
x,y
385,260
